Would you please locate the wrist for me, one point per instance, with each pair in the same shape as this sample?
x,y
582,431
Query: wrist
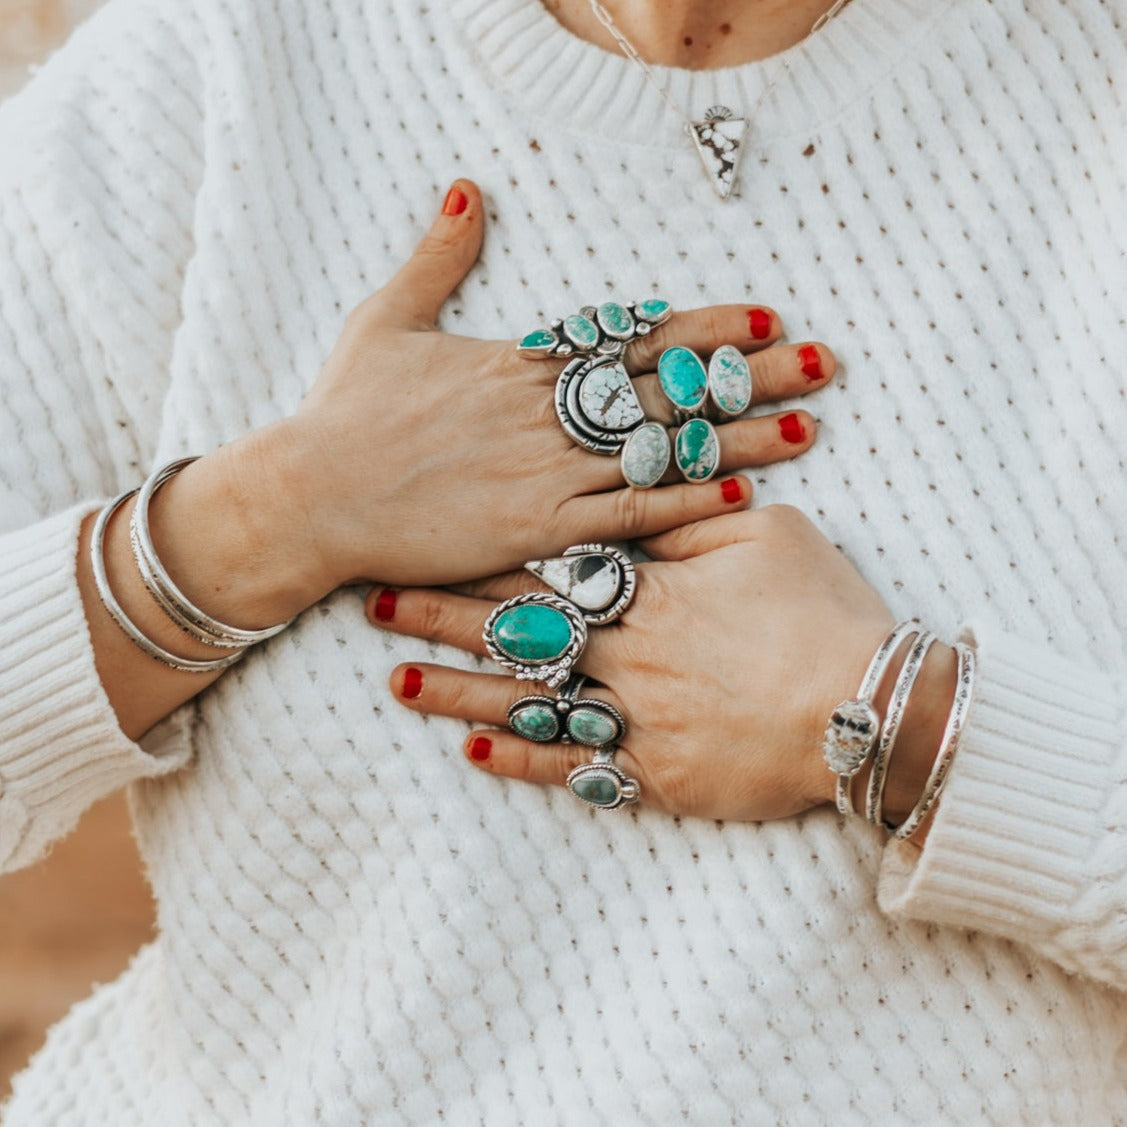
x,y
228,534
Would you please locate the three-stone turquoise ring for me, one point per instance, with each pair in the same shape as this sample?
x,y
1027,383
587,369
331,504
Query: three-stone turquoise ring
x,y
539,637
603,330
568,717
601,784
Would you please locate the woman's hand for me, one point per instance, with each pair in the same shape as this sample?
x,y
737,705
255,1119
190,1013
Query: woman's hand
x,y
743,635
424,458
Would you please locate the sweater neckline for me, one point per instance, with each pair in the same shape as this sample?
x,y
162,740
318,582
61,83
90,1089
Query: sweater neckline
x,y
582,87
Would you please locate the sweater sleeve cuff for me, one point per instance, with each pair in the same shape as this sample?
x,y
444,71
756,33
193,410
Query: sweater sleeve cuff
x,y
61,747
1016,845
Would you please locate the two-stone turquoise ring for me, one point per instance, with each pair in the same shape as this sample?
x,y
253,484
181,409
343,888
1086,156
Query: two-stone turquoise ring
x,y
603,330
567,717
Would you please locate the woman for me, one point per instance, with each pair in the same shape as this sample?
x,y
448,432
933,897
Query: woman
x,y
355,927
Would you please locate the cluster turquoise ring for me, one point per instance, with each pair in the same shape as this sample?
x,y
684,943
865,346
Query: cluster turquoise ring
x,y
596,330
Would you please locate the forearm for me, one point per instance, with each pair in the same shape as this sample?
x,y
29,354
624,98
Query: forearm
x,y
226,535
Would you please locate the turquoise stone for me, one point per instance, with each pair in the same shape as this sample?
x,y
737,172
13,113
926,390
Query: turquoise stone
x,y
654,310
581,331
729,380
600,788
540,338
698,450
592,727
537,722
645,455
532,633
682,377
615,320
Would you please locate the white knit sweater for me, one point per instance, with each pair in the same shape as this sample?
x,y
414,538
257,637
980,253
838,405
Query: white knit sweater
x,y
355,926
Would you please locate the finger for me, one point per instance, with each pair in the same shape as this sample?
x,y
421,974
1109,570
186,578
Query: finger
x,y
765,440
499,587
749,328
413,298
776,373
484,698
505,753
458,620
704,536
624,514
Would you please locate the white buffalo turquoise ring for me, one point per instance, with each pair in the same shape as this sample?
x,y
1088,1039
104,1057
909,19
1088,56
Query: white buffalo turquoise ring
x,y
604,329
539,637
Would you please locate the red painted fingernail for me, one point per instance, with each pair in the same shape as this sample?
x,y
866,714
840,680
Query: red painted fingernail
x,y
791,428
412,682
455,202
480,747
385,605
730,488
811,362
759,323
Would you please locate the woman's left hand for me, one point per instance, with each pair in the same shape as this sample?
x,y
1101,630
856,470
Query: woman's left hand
x,y
743,635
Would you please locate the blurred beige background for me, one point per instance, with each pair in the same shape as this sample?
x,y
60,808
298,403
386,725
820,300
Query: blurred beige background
x,y
75,919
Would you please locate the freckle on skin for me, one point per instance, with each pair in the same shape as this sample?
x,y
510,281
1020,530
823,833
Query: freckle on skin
x,y
725,29
688,40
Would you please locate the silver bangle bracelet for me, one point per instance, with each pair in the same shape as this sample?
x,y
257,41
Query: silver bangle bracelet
x,y
193,621
852,731
897,706
128,627
956,719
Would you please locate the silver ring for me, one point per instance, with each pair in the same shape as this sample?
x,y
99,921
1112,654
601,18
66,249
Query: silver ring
x,y
603,330
601,784
538,636
596,403
597,579
567,718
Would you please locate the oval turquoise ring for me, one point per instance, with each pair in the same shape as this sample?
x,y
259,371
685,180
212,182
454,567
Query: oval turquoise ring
x,y
538,636
601,784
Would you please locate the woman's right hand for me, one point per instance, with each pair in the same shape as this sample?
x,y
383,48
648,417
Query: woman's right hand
x,y
422,458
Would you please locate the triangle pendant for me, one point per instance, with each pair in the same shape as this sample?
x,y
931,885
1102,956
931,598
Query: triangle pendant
x,y
719,140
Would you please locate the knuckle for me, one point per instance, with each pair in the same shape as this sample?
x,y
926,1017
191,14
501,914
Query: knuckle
x,y
433,619
782,518
629,510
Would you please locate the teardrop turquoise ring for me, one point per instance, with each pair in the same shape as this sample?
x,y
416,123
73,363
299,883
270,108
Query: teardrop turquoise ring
x,y
539,637
603,330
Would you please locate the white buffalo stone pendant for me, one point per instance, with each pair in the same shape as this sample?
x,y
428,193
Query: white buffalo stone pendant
x,y
719,140
597,579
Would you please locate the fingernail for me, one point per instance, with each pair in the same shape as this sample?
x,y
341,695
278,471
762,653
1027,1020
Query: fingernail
x,y
412,683
730,489
480,747
455,202
811,362
792,430
385,605
759,323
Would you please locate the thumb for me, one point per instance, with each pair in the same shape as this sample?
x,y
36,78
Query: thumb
x,y
700,537
413,298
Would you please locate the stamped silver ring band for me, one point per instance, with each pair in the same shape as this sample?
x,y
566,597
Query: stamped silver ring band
x,y
603,330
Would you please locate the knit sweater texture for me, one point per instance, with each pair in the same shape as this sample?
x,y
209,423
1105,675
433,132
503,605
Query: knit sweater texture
x,y
355,927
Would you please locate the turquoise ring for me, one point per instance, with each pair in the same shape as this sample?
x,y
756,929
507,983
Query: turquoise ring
x,y
603,330
567,718
539,637
601,784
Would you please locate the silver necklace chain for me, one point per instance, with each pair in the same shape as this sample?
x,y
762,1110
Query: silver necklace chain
x,y
631,52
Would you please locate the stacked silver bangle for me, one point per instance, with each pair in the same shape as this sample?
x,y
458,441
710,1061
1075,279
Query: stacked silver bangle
x,y
856,734
195,622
